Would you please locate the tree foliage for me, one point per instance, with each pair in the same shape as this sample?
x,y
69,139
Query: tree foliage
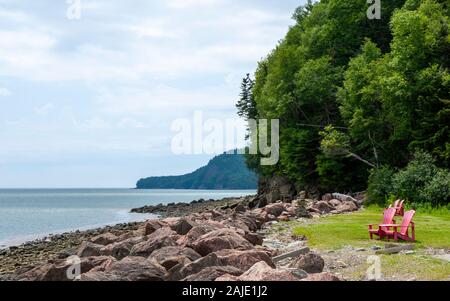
x,y
354,94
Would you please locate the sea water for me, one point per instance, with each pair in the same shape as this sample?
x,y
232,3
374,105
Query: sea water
x,y
27,214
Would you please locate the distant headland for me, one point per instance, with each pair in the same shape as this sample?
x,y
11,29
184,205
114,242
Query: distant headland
x,y
226,171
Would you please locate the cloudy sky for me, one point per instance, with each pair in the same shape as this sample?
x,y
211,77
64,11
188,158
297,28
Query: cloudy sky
x,y
90,102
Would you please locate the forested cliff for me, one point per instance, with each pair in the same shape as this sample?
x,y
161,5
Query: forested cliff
x,y
362,103
226,171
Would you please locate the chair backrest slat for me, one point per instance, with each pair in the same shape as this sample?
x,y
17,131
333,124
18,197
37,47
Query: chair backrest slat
x,y
389,215
407,218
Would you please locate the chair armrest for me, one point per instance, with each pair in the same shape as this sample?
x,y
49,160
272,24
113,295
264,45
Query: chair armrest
x,y
390,225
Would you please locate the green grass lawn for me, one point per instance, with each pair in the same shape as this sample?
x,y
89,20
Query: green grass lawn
x,y
337,231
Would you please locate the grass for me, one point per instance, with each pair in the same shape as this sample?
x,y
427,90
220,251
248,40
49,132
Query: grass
x,y
406,267
337,231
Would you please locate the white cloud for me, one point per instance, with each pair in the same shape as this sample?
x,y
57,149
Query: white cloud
x,y
94,123
135,101
5,92
172,45
45,109
119,76
182,4
14,15
130,123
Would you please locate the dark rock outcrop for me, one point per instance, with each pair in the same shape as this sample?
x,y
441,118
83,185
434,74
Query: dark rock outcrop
x,y
310,263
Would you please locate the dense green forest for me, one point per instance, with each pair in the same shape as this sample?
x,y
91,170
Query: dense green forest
x,y
363,103
222,172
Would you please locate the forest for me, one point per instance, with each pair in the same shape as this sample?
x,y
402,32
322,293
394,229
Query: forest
x,y
363,103
225,171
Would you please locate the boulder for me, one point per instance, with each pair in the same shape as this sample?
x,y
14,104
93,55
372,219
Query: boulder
x,y
310,263
249,221
146,248
57,270
302,195
227,278
260,216
185,269
163,232
273,196
274,209
219,240
300,211
243,259
128,235
284,217
261,271
195,233
323,207
262,201
212,273
168,257
236,224
89,249
96,276
129,269
287,192
254,238
183,226
335,202
104,265
153,225
163,237
321,277
121,249
104,239
346,206
327,197
240,208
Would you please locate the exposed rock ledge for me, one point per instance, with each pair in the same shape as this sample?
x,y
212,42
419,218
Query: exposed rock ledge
x,y
223,244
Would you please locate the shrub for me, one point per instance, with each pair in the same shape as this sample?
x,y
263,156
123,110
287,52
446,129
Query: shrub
x,y
409,182
421,182
437,191
380,185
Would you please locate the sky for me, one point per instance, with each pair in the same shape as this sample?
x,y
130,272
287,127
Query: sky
x,y
90,101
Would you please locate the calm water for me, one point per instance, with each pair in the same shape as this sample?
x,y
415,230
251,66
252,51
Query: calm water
x,y
26,214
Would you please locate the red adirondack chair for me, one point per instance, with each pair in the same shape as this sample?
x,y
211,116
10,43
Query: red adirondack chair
x,y
395,204
399,207
388,218
400,231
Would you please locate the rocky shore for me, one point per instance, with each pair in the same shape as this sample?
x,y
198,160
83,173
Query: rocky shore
x,y
216,241
197,206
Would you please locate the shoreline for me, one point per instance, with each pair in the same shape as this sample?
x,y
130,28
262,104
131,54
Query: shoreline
x,y
36,238
62,245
